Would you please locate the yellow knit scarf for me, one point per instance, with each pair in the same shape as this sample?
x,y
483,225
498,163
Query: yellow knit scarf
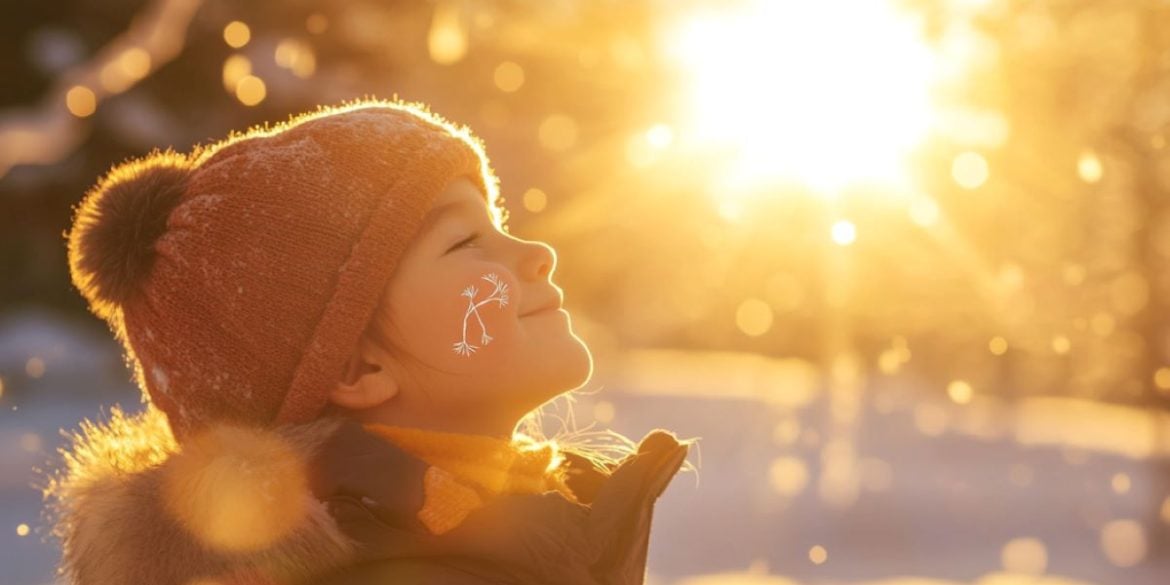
x,y
465,469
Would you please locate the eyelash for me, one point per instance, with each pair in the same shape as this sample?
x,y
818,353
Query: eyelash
x,y
466,240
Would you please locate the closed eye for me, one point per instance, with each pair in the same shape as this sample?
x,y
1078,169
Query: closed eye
x,y
462,242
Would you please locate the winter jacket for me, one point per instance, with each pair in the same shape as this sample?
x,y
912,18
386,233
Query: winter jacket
x,y
330,503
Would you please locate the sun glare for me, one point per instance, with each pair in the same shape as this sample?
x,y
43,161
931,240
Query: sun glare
x,y
828,94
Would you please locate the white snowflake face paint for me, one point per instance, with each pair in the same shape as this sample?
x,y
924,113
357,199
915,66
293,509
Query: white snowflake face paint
x,y
498,295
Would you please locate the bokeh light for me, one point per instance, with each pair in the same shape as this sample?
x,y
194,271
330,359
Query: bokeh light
x,y
251,90
788,476
960,391
558,132
508,76
1124,542
1121,483
235,68
535,200
1025,556
753,317
603,411
970,170
317,23
818,555
924,211
81,101
447,39
237,34
31,442
34,367
297,56
1089,167
844,232
122,72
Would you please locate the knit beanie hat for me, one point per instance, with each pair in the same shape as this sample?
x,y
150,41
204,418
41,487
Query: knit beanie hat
x,y
239,278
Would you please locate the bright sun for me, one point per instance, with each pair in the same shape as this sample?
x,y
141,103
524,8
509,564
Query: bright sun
x,y
828,93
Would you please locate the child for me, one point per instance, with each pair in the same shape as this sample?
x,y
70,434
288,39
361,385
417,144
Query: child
x,y
337,338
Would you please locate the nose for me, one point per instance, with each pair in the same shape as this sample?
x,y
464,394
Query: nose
x,y
538,260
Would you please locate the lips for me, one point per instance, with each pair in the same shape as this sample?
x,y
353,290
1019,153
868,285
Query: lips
x,y
549,305
539,311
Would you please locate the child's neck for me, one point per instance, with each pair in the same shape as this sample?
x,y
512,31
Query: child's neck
x,y
400,412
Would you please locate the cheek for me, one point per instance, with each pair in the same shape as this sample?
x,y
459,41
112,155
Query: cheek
x,y
485,307
469,317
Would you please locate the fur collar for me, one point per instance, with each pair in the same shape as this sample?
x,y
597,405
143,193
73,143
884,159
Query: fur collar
x,y
238,505
129,502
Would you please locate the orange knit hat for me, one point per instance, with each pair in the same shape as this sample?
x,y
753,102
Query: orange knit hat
x,y
239,278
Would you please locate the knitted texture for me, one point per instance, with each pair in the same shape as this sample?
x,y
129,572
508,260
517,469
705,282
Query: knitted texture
x,y
268,264
465,470
446,501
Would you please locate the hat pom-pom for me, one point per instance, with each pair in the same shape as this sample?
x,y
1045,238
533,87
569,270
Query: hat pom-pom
x,y
111,244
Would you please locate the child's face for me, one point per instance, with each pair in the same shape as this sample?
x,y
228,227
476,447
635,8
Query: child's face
x,y
459,304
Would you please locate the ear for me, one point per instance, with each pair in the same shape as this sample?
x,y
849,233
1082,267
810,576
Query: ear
x,y
367,381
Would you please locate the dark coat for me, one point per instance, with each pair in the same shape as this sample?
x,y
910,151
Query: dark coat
x,y
356,517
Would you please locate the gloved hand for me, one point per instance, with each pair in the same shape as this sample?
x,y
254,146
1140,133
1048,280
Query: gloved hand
x,y
620,518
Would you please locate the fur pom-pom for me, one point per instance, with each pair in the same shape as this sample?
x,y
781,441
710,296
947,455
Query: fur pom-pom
x,y
111,244
237,489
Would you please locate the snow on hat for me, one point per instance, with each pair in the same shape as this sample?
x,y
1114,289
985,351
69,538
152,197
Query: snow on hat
x,y
239,277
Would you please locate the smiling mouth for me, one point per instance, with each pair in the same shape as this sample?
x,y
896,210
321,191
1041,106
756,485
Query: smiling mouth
x,y
551,304
545,311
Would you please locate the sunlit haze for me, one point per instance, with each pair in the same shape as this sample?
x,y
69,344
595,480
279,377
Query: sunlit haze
x,y
828,93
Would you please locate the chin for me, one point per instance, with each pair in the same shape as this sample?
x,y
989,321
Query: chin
x,y
568,367
580,368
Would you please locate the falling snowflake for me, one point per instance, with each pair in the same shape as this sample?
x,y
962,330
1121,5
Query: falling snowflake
x,y
498,295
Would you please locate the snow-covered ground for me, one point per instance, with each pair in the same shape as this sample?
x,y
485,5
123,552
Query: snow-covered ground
x,y
913,490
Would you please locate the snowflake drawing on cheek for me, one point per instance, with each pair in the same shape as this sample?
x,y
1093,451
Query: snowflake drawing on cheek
x,y
499,295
